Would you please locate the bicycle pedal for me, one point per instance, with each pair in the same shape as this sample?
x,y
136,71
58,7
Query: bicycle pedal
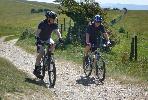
x,y
46,68
97,82
40,77
52,62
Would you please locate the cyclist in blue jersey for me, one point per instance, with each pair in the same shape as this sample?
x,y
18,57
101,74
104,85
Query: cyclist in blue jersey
x,y
43,35
94,31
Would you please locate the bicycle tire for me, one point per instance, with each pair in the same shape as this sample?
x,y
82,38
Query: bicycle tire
x,y
43,62
100,69
87,66
52,72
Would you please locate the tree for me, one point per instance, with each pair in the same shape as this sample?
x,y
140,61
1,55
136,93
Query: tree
x,y
81,14
125,10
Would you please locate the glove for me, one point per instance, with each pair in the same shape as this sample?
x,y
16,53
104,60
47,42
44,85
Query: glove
x,y
89,44
61,40
108,43
36,37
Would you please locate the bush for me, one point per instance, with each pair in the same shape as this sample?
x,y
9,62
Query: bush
x,y
81,14
33,10
121,30
26,34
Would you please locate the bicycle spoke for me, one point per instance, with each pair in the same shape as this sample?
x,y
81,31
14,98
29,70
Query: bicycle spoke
x,y
52,74
100,69
43,68
87,67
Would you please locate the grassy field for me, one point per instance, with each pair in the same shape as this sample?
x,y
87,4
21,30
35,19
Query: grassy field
x,y
14,83
16,15
134,23
16,21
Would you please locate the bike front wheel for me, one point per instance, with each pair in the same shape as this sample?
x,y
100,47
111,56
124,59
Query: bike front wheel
x,y
87,66
100,69
43,66
52,73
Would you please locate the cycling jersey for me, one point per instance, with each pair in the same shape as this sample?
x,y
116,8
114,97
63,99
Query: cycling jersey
x,y
94,33
46,29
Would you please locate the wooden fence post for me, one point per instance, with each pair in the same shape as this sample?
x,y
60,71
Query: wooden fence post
x,y
127,35
133,53
135,48
132,50
70,23
64,25
61,28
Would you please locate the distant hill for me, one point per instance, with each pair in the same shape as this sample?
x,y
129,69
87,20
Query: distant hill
x,y
128,6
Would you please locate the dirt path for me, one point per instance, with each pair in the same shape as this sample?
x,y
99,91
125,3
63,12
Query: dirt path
x,y
71,83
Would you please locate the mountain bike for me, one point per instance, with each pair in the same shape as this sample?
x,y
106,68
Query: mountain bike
x,y
48,65
94,60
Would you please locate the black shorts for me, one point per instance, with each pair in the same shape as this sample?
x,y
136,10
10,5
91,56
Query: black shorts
x,y
40,44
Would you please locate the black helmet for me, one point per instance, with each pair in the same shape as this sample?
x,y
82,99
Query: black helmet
x,y
51,14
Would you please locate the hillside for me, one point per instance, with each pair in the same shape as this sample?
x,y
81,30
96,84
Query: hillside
x,y
16,15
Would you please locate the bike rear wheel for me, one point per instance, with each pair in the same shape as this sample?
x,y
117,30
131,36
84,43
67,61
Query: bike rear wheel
x,y
100,69
52,72
87,66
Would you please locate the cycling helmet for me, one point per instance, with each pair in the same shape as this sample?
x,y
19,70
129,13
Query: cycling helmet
x,y
98,18
51,14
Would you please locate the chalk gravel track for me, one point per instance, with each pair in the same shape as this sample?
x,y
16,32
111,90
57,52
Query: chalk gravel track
x,y
71,83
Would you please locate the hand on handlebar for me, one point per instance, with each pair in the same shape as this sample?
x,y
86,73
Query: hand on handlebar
x,y
36,37
61,40
89,44
108,43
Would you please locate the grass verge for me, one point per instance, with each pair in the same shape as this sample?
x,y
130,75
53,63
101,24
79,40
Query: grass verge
x,y
14,82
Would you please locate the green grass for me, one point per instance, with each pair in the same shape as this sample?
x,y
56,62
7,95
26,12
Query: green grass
x,y
15,81
70,52
16,18
134,24
28,44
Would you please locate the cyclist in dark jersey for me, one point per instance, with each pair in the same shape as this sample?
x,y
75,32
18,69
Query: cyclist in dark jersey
x,y
94,31
43,35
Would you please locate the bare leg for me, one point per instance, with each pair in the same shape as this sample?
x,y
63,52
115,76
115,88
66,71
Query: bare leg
x,y
86,50
38,59
52,48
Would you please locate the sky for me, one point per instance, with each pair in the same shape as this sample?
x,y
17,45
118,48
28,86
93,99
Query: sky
x,y
137,2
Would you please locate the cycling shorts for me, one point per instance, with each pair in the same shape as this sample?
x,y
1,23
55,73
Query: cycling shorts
x,y
40,44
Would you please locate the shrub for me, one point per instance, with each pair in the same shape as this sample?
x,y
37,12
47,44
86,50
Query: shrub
x,y
27,33
121,30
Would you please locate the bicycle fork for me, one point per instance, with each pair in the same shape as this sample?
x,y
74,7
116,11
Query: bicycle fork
x,y
94,64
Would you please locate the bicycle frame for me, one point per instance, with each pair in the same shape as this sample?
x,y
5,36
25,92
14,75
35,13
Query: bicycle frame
x,y
94,55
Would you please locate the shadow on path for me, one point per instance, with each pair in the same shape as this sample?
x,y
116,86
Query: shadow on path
x,y
86,81
36,82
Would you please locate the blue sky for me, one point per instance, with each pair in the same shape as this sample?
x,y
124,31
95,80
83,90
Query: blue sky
x,y
138,2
